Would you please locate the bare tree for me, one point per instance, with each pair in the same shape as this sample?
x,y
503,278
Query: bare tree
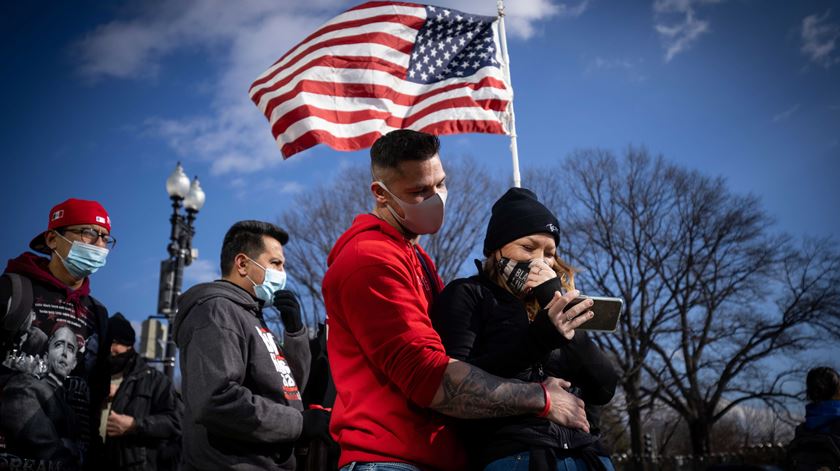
x,y
472,191
712,294
731,344
752,424
612,224
314,222
317,218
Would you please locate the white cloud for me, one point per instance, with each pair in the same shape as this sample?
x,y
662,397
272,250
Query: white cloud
x,y
241,39
819,39
627,67
677,24
573,11
779,117
244,190
201,271
119,50
521,16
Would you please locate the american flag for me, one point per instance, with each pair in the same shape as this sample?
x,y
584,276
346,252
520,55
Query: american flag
x,y
382,66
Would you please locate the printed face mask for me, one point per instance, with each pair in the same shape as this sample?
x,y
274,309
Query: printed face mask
x,y
274,281
425,217
515,273
83,259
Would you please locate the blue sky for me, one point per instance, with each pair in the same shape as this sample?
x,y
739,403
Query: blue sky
x,y
101,99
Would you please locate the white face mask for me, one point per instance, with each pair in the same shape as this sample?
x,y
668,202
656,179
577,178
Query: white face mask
x,y
425,217
274,281
83,259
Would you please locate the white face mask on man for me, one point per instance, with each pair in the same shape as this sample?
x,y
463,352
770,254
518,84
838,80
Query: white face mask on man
x,y
274,281
425,217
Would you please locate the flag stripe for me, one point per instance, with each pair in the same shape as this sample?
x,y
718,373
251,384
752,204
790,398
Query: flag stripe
x,y
383,66
317,97
353,56
391,24
351,116
385,39
368,5
327,65
320,136
455,126
301,127
349,101
376,84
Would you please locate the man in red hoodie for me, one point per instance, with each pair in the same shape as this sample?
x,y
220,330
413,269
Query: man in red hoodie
x,y
56,291
393,379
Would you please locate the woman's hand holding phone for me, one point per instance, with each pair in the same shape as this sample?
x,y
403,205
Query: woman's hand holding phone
x,y
566,321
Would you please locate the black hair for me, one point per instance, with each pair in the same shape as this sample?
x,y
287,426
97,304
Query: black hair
x,y
247,237
400,146
823,383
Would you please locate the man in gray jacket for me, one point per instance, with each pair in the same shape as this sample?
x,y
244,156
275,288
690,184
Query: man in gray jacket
x,y
243,406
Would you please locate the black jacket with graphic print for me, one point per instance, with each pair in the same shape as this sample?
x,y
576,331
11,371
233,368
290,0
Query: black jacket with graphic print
x,y
241,397
55,304
39,427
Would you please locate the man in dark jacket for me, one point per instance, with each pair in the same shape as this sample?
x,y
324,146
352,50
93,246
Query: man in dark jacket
x,y
77,241
816,444
142,416
243,408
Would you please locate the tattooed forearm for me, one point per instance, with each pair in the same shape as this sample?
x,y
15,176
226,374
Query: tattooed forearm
x,y
468,392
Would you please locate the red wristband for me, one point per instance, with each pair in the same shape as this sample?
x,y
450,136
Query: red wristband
x,y
547,408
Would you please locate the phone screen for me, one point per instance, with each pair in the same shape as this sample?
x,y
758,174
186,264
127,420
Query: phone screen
x,y
607,313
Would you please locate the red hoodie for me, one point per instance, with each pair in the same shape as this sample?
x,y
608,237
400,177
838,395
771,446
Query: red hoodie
x,y
386,359
37,268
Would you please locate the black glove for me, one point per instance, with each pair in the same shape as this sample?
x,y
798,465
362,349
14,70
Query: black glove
x,y
316,424
545,291
286,302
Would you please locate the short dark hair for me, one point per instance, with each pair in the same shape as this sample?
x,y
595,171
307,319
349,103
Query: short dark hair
x,y
247,237
823,383
400,146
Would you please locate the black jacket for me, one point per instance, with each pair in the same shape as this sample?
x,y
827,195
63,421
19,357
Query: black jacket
x,y
242,405
39,426
483,324
149,396
53,304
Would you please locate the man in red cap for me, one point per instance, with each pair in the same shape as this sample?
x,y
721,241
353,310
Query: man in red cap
x,y
37,293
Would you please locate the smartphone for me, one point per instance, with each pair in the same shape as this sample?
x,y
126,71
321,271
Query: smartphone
x,y
607,313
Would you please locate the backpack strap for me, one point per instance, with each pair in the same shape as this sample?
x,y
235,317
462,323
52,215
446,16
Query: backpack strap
x,y
18,305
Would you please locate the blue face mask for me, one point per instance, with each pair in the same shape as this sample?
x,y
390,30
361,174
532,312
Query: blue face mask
x,y
275,280
83,259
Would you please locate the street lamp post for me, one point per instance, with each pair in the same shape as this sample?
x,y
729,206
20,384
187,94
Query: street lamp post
x,y
181,254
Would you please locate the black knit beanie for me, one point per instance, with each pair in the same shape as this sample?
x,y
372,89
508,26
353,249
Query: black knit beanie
x,y
516,214
120,330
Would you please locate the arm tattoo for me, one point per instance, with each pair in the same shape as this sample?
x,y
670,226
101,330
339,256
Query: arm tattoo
x,y
471,393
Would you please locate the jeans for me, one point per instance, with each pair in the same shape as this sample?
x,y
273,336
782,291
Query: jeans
x,y
379,466
519,462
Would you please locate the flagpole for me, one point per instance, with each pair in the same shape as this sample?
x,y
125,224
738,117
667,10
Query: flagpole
x,y
514,151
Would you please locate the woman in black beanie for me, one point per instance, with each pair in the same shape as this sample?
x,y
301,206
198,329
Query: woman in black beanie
x,y
509,320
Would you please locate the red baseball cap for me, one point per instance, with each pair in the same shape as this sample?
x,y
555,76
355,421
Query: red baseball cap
x,y
70,213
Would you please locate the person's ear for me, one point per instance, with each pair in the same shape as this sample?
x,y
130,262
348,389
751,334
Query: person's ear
x,y
50,239
379,193
240,264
